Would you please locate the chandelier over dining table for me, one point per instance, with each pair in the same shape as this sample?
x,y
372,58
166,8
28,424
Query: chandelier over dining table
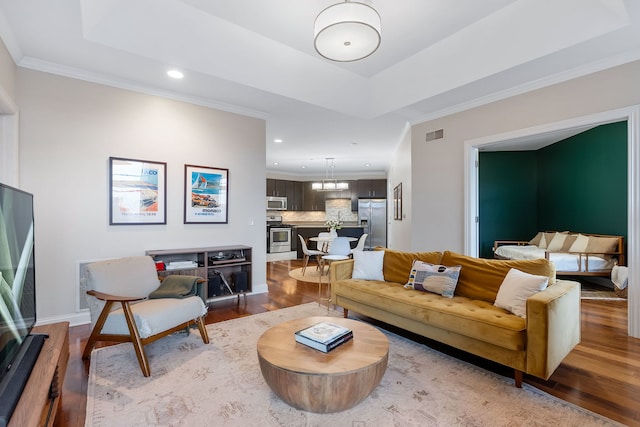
x,y
329,183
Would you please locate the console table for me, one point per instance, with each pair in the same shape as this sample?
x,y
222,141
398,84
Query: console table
x,y
233,263
40,398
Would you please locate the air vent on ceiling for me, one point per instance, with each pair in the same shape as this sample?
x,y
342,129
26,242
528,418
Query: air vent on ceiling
x,y
436,134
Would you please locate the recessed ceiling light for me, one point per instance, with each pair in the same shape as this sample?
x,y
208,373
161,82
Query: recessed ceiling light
x,y
175,74
277,140
303,167
276,163
366,165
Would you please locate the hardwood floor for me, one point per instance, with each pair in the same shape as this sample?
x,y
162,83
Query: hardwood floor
x,y
601,374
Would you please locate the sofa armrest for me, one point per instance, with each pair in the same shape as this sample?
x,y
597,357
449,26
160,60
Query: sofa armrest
x,y
341,270
553,327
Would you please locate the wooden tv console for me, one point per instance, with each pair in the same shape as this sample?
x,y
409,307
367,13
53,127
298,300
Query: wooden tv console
x,y
40,399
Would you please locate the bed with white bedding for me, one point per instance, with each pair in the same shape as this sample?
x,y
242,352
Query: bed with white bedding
x,y
571,253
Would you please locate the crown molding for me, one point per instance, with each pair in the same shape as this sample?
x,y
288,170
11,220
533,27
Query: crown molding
x,y
79,74
590,68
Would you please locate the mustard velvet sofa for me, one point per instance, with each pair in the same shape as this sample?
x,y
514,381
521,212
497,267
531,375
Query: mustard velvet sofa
x,y
469,321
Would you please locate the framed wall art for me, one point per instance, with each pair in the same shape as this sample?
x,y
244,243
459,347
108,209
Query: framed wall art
x,y
206,194
397,202
137,192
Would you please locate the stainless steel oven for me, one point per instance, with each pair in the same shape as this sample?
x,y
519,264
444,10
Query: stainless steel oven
x,y
279,239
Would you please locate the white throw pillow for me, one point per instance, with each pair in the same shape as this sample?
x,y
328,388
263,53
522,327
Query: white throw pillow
x,y
516,287
580,245
367,265
438,279
556,243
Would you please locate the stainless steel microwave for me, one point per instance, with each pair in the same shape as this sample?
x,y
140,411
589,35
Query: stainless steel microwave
x,y
276,203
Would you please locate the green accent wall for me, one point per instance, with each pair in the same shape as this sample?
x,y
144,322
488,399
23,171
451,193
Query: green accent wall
x,y
578,184
508,197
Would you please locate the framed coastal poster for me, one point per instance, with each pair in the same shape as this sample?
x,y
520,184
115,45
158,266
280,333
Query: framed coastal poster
x,y
137,192
206,194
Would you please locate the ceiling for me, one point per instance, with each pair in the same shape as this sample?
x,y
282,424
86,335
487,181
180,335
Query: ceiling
x,y
256,57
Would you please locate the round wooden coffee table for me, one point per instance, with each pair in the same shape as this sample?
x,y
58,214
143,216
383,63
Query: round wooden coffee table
x,y
314,381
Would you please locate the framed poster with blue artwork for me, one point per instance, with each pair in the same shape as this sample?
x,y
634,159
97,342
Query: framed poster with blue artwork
x,y
206,195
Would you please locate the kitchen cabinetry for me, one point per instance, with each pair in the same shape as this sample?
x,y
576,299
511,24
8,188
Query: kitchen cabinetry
x,y
313,200
218,264
294,193
276,187
372,188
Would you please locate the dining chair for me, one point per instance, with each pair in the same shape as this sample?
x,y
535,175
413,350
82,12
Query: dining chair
x,y
340,250
360,245
308,253
326,244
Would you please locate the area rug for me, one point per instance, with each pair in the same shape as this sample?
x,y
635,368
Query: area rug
x,y
310,275
220,384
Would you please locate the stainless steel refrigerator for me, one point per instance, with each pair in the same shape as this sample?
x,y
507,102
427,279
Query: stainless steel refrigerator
x,y
372,214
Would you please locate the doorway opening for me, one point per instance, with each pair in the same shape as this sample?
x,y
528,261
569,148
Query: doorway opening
x,y
557,130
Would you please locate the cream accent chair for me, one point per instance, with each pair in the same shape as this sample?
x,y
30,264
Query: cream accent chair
x,y
127,282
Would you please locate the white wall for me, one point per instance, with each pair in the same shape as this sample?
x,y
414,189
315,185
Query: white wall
x,y
399,232
68,131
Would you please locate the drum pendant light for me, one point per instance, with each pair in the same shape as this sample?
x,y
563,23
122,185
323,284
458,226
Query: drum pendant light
x,y
347,31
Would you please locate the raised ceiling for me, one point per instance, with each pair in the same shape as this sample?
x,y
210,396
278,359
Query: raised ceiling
x,y
256,57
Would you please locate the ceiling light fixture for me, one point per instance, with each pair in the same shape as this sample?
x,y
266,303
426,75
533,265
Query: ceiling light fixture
x,y
175,74
347,31
330,183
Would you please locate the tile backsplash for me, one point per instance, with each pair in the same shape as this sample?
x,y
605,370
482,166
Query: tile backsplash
x,y
334,209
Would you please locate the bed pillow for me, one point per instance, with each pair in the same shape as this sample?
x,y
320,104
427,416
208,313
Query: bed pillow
x,y
516,287
571,238
438,279
557,242
580,245
367,265
601,245
536,239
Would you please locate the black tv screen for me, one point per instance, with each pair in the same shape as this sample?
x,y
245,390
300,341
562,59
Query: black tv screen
x,y
17,273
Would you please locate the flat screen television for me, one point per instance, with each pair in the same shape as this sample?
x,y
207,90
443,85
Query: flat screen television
x,y
17,296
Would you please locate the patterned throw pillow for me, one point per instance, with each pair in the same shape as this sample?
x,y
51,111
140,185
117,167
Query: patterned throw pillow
x,y
438,279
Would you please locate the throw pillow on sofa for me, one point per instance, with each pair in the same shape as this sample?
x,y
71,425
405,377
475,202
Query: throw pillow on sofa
x,y
438,279
367,265
516,287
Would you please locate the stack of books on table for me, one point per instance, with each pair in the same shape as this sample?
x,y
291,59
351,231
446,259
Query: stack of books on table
x,y
324,336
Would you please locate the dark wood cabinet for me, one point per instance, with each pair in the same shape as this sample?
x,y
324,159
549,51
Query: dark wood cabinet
x,y
276,187
294,195
372,188
313,200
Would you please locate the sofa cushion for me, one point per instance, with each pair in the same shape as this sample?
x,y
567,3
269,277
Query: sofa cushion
x,y
397,264
367,265
473,318
428,277
481,278
516,287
